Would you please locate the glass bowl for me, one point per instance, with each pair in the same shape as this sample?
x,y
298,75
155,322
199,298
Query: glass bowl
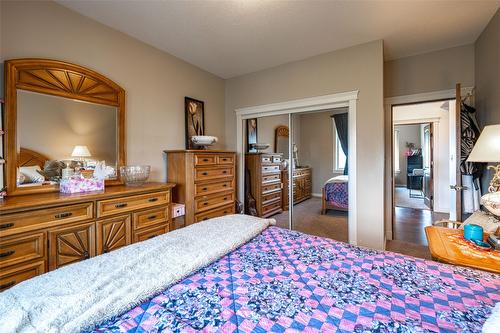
x,y
135,175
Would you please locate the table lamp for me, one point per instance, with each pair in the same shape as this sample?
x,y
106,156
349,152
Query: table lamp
x,y
487,149
80,152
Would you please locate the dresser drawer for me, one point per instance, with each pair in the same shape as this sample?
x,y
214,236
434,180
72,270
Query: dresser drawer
x,y
149,233
205,159
209,188
43,218
127,204
209,202
272,178
266,159
272,207
270,168
226,210
225,159
271,188
276,159
19,249
205,174
150,217
271,197
15,275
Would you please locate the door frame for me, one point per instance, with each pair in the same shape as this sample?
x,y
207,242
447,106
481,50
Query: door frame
x,y
389,103
310,104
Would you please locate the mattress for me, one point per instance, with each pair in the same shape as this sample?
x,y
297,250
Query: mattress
x,y
284,280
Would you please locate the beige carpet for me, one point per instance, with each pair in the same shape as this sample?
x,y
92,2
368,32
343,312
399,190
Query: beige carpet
x,y
402,199
307,218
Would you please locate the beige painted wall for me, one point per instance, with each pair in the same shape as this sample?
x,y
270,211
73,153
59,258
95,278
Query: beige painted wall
x,y
434,71
487,66
155,82
266,127
53,126
317,147
356,68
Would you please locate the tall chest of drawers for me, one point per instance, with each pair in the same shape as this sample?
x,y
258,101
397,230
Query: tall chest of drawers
x,y
205,182
266,187
42,232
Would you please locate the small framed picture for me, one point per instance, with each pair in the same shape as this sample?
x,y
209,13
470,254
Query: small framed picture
x,y
195,119
251,134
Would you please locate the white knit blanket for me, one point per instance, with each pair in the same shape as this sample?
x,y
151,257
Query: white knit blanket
x,y
82,295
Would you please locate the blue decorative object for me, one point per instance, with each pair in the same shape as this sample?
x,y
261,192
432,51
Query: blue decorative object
x,y
473,232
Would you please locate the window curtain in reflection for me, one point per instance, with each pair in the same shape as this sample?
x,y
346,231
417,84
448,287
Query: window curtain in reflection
x,y
341,124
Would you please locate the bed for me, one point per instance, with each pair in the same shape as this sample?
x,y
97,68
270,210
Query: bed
x,y
263,279
335,194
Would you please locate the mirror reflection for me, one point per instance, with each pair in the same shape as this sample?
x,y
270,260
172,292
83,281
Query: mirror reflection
x,y
58,136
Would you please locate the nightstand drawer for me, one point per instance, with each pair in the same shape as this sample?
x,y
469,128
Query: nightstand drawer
x,y
150,217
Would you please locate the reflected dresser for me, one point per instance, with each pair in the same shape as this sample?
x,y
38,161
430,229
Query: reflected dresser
x,y
264,170
205,182
42,232
302,185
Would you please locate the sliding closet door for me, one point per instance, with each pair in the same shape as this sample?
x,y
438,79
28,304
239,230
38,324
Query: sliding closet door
x,y
266,168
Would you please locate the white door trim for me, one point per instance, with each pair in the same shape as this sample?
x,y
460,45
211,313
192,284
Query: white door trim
x,y
389,102
310,104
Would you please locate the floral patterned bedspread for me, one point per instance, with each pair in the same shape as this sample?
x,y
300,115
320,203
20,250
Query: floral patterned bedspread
x,y
287,281
337,194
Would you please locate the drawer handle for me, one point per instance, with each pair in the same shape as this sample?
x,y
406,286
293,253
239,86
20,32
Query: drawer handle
x,y
153,199
205,203
225,198
152,217
122,205
225,185
224,172
224,159
105,250
6,225
6,254
205,218
149,237
63,215
7,285
86,255
204,189
205,160
225,212
205,173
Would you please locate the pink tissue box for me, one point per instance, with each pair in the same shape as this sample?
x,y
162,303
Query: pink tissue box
x,y
79,185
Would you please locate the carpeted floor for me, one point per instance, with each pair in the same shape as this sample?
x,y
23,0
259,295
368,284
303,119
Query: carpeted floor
x,y
307,218
402,199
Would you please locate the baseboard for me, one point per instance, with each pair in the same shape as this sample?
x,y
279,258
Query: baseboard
x,y
317,195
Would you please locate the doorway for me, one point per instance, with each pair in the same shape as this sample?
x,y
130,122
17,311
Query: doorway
x,y
421,166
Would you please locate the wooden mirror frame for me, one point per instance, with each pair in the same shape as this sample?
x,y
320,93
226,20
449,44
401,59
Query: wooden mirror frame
x,y
280,131
57,78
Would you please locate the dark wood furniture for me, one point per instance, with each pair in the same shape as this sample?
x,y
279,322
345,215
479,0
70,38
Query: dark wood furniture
x,y
265,182
56,78
446,245
205,182
413,162
302,185
42,232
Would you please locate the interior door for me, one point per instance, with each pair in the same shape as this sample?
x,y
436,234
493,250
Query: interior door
x,y
428,152
456,177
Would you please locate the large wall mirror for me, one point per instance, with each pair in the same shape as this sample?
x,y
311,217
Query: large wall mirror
x,y
60,116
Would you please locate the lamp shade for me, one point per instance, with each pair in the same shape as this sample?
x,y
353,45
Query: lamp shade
x,y
81,151
487,147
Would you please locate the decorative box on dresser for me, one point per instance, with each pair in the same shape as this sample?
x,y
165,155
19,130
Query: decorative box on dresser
x,y
42,232
265,181
302,185
205,182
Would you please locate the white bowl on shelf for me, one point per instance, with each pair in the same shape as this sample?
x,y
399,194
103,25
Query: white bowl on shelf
x,y
203,140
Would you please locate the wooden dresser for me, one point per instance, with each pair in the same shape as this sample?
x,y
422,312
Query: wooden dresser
x,y
265,182
205,182
302,185
42,232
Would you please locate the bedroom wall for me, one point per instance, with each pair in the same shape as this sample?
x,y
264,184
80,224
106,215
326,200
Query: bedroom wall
x,y
155,82
266,127
356,68
407,133
487,66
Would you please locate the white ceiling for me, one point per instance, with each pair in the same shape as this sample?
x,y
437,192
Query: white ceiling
x,y
231,38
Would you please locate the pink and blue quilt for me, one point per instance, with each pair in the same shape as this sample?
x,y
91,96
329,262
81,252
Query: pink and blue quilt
x,y
337,194
286,281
